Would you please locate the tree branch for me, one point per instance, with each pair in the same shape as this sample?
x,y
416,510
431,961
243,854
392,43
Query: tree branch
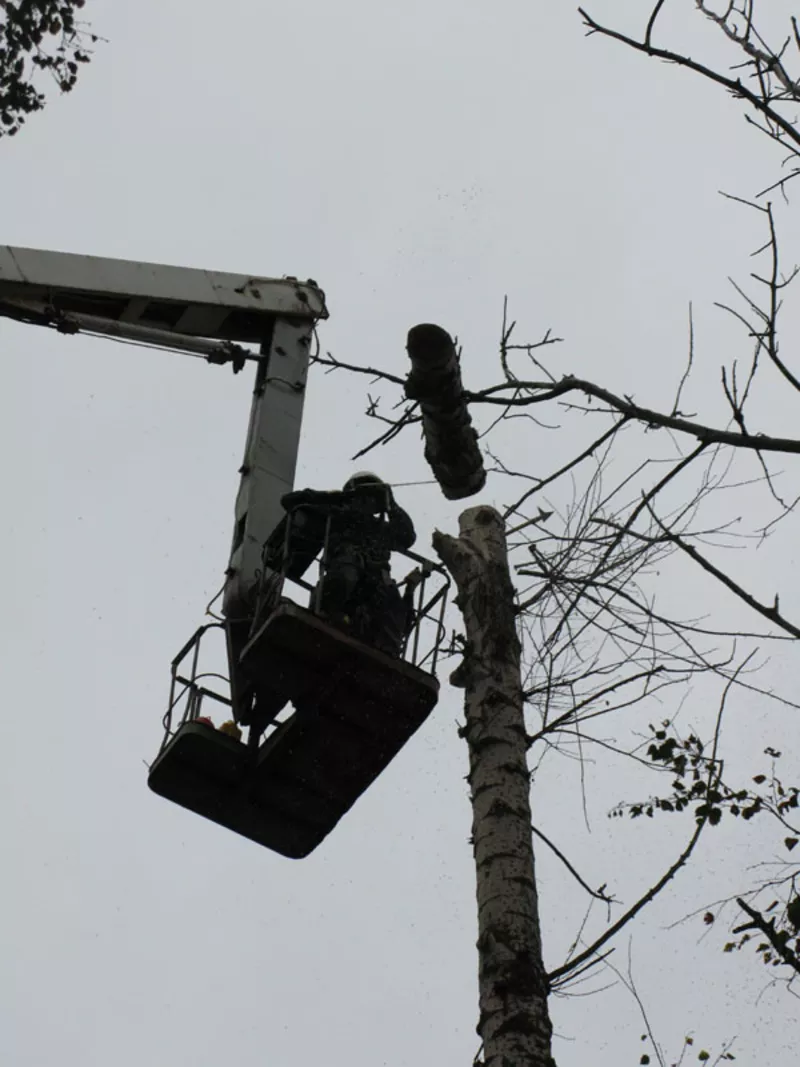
x,y
336,364
598,894
559,972
758,922
772,613
545,391
734,86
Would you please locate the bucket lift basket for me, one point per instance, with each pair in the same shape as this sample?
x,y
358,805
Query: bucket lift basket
x,y
353,708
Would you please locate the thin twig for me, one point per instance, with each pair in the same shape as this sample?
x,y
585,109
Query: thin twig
x,y
598,894
653,892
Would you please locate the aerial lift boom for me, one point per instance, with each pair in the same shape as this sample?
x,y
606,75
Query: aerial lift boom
x,y
354,706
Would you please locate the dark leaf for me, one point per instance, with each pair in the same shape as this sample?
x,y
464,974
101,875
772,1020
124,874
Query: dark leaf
x,y
793,912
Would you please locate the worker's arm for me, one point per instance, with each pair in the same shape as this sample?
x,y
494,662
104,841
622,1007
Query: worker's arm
x,y
313,498
401,528
411,581
307,508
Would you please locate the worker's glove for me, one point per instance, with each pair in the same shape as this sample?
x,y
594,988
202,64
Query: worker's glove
x,y
413,579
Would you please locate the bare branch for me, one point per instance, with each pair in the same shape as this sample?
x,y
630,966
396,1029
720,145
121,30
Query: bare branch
x,y
773,614
651,23
689,365
598,894
623,920
734,86
546,391
373,372
541,483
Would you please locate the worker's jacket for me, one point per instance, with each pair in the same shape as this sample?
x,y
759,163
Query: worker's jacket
x,y
364,526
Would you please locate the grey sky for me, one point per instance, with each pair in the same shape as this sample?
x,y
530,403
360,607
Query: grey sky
x,y
419,161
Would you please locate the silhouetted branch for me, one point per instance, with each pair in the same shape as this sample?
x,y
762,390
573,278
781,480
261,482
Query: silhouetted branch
x,y
623,920
543,392
778,939
773,614
733,85
542,482
598,894
373,372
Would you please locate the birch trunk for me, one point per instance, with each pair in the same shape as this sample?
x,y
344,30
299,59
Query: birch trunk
x,y
451,443
514,1021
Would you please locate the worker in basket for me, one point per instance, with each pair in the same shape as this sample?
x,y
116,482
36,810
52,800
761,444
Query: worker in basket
x,y
356,592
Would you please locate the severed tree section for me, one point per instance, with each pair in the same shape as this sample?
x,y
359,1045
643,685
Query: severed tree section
x,y
514,1022
451,443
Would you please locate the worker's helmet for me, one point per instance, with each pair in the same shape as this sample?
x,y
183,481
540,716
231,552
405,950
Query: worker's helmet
x,y
363,478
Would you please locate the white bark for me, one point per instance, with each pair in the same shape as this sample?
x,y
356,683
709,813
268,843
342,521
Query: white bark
x,y
514,1021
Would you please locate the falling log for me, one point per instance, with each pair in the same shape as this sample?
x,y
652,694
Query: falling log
x,y
451,443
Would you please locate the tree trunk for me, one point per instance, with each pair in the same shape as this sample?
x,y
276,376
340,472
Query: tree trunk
x,y
514,1022
451,443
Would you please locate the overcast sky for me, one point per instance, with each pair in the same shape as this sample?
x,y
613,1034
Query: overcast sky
x,y
419,161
